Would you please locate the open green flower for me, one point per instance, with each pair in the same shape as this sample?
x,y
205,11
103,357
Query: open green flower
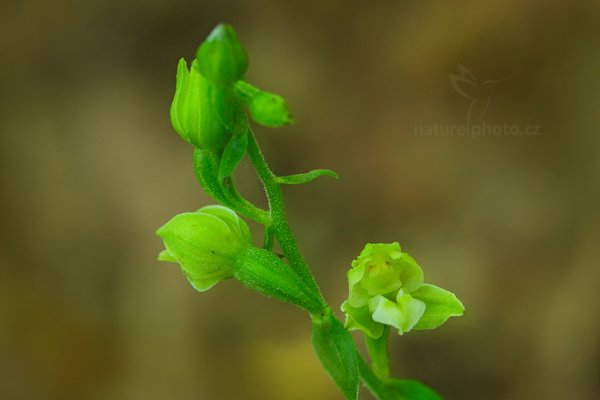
x,y
205,243
386,288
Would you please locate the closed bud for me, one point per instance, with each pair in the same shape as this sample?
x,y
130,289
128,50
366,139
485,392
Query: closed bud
x,y
221,57
206,244
268,109
192,112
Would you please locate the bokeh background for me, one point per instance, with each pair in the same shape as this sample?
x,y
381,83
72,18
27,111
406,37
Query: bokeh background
x,y
90,167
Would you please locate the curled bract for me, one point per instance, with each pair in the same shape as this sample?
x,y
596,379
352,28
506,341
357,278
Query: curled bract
x,y
386,288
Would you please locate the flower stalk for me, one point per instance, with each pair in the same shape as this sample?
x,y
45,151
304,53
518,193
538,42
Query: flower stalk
x,y
210,111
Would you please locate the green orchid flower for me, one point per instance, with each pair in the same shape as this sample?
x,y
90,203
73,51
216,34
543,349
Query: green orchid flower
x,y
386,288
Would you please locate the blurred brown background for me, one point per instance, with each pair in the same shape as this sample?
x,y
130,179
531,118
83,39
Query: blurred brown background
x,y
90,167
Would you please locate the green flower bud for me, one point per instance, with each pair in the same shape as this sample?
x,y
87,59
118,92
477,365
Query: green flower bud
x,y
268,109
192,112
221,57
206,244
386,288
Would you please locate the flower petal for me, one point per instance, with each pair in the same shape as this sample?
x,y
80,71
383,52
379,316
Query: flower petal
x,y
360,319
411,273
230,218
166,256
440,305
358,297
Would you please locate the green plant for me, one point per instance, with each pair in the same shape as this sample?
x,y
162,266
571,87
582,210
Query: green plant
x,y
386,286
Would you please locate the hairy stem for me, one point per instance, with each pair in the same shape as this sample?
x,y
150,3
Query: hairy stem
x,y
372,382
205,165
269,239
279,224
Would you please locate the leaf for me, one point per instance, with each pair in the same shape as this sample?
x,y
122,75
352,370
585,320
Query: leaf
x,y
411,390
336,351
394,389
306,177
206,165
440,304
232,155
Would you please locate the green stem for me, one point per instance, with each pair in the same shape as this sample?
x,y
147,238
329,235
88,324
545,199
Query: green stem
x,y
279,224
372,382
246,208
206,166
378,352
269,239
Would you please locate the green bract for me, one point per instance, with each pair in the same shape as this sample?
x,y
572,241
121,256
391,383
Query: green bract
x,y
193,113
386,288
205,243
221,57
